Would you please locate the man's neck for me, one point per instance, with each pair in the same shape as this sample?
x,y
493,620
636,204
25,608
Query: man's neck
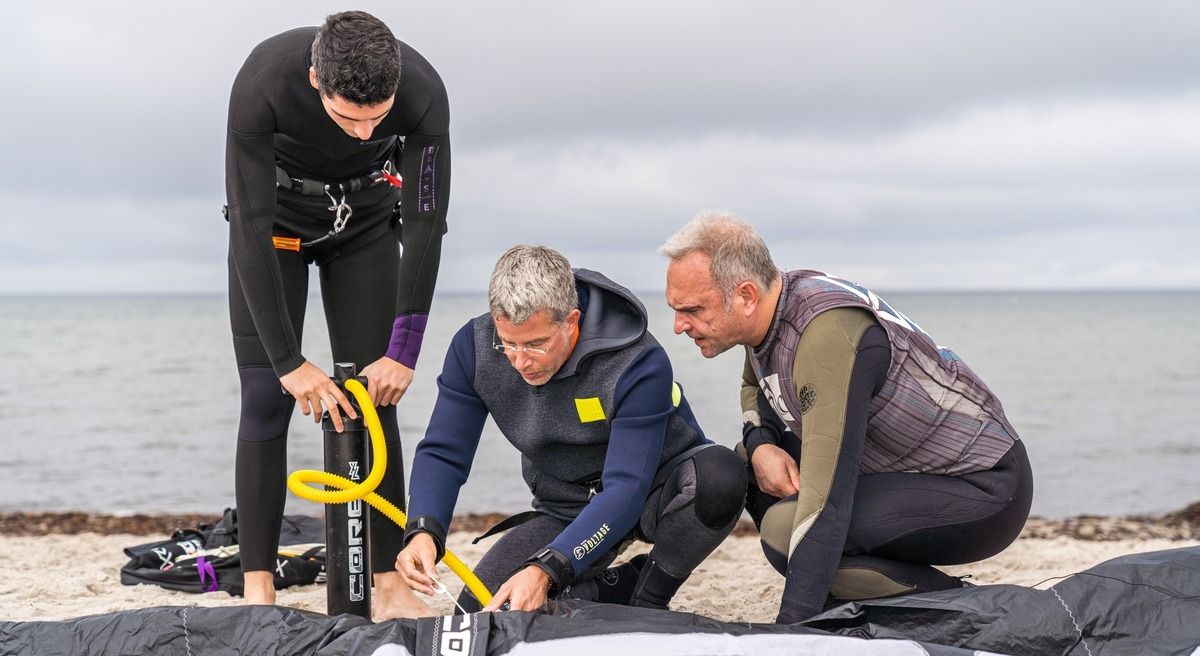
x,y
574,340
764,313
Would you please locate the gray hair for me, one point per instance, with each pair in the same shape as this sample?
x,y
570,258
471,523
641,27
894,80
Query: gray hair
x,y
529,279
736,253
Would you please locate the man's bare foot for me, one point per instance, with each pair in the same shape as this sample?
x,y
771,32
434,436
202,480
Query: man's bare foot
x,y
260,588
394,600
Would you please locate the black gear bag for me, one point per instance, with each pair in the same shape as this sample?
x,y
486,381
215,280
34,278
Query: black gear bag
x,y
206,558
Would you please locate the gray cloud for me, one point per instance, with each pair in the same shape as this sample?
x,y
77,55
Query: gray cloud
x,y
1011,144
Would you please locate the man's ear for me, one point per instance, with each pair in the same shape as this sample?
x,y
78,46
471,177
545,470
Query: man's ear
x,y
749,294
312,78
573,316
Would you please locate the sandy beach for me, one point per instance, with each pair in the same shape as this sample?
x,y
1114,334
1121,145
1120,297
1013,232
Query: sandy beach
x,y
60,566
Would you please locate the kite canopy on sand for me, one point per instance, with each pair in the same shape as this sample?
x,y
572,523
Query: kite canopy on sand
x,y
1143,603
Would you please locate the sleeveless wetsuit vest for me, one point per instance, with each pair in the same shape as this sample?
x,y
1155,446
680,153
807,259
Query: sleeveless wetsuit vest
x,y
562,449
933,414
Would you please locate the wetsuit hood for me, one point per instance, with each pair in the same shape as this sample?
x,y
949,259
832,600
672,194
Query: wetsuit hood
x,y
612,318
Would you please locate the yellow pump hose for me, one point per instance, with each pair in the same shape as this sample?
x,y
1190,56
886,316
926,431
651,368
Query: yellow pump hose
x,y
348,490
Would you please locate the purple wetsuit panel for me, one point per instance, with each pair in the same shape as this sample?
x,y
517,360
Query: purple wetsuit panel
x,y
407,332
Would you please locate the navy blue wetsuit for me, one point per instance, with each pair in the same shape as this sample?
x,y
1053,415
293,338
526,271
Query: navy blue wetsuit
x,y
595,440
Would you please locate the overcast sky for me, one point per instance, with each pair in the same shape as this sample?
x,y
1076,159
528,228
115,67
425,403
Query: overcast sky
x,y
907,145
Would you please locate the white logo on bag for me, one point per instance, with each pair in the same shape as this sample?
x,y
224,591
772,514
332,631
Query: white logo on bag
x,y
455,640
279,564
167,560
774,393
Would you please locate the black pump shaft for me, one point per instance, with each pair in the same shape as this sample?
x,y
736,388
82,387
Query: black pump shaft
x,y
347,539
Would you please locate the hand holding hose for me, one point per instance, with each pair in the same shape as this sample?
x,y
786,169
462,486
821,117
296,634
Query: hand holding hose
x,y
387,381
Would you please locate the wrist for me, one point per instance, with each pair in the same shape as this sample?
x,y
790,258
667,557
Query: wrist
x,y
756,436
427,526
555,567
542,577
289,366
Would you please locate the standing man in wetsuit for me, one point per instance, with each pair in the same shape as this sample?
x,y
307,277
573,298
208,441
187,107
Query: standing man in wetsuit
x,y
609,447
874,453
322,124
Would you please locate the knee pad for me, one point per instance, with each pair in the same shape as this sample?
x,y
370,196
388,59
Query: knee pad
x,y
266,408
720,486
775,532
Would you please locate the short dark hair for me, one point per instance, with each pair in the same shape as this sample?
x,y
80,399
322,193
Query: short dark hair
x,y
356,57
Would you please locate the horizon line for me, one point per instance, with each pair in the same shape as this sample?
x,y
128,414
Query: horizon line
x,y
315,292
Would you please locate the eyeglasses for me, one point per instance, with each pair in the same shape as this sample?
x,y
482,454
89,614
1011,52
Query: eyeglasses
x,y
528,350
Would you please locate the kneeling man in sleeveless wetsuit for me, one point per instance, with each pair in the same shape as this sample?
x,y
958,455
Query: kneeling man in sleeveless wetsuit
x,y
609,447
874,453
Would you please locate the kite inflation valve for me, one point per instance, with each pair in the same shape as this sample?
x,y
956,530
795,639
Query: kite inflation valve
x,y
347,538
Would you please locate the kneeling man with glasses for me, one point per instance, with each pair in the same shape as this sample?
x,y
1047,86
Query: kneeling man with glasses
x,y
610,450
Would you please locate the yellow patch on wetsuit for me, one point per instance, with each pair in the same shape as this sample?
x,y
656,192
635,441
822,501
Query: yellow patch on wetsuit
x,y
676,394
286,243
589,409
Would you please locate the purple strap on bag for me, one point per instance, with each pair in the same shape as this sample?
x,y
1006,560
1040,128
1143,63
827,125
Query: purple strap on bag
x,y
206,570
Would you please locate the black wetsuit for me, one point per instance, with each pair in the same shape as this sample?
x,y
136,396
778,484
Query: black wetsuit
x,y
376,301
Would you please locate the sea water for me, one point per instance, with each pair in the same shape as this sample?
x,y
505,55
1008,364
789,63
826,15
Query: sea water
x,y
122,404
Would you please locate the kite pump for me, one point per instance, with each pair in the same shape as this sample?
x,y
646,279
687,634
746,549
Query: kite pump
x,y
347,562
